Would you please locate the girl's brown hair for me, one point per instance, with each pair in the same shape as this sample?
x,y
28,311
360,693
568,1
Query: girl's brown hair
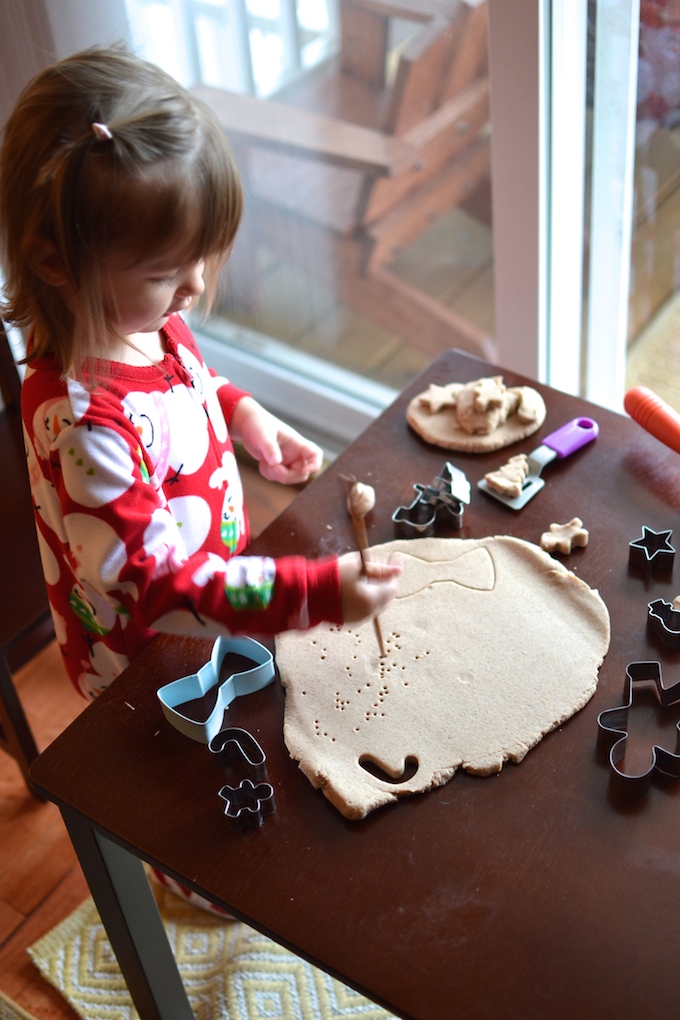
x,y
165,180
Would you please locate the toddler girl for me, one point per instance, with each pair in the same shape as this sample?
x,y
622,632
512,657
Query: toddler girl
x,y
118,194
118,198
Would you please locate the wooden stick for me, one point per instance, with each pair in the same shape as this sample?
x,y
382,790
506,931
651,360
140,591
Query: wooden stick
x,y
359,526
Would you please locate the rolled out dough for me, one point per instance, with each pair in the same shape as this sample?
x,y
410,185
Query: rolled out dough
x,y
490,645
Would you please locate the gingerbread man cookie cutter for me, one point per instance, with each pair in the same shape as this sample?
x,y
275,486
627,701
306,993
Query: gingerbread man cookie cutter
x,y
613,728
247,805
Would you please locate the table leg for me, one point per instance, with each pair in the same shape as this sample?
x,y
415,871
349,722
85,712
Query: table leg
x,y
16,736
129,913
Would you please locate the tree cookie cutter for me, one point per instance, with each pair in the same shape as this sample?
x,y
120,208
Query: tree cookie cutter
x,y
613,728
191,688
441,502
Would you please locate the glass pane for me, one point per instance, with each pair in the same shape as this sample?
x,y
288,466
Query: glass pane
x,y
366,244
369,248
654,325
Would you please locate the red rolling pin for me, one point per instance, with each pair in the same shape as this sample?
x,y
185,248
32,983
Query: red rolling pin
x,y
654,415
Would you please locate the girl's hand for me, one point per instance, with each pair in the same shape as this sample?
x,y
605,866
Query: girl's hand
x,y
282,454
366,596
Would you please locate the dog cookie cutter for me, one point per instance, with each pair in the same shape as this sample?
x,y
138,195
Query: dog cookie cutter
x,y
652,551
178,697
235,743
613,727
442,501
247,805
663,619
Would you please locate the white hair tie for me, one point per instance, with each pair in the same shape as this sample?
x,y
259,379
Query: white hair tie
x,y
101,132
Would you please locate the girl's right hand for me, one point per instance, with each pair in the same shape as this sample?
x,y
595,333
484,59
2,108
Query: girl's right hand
x,y
364,596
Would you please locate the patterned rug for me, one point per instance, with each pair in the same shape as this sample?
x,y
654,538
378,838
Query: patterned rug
x,y
230,971
10,1011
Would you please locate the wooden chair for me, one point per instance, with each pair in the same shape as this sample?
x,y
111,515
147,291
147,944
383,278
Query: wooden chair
x,y
357,159
25,621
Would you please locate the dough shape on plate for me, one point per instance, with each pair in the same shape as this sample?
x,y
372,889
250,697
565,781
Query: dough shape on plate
x,y
491,644
476,417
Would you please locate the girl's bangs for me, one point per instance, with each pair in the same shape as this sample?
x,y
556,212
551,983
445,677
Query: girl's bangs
x,y
184,213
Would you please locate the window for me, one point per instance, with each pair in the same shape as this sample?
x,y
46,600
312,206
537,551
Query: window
x,y
366,244
252,46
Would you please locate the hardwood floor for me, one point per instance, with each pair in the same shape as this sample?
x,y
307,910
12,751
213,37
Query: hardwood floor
x,y
40,878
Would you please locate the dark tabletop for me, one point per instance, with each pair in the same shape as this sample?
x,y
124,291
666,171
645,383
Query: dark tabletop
x,y
538,892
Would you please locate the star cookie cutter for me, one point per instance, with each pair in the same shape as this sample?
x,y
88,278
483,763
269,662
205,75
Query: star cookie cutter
x,y
443,500
613,727
663,619
235,743
247,805
653,551
195,687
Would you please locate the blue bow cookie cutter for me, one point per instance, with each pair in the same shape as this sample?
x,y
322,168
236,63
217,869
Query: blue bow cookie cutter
x,y
191,688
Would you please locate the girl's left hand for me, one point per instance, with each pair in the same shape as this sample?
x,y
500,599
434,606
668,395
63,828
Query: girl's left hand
x,y
282,454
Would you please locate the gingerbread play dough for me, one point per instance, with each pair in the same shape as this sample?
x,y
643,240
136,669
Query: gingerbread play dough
x,y
478,416
490,645
565,537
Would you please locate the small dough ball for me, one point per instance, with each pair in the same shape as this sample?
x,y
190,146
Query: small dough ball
x,y
361,499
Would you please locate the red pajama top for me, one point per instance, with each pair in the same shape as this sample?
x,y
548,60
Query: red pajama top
x,y
140,516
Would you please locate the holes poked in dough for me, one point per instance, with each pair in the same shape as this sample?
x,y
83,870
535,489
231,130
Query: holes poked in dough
x,y
366,683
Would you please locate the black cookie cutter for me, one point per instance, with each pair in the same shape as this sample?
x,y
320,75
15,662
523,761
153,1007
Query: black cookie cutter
x,y
235,743
440,503
652,552
663,620
246,805
613,728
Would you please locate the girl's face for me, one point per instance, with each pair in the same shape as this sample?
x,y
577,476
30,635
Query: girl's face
x,y
141,298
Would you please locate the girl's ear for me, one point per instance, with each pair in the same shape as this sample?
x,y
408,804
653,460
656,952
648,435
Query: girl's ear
x,y
46,262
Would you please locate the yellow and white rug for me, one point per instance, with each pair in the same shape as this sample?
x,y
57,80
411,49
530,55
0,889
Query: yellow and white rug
x,y
229,970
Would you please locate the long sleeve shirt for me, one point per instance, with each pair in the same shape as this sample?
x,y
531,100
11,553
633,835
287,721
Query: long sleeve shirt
x,y
140,515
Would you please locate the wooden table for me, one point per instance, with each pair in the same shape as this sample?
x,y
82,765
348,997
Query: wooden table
x,y
536,893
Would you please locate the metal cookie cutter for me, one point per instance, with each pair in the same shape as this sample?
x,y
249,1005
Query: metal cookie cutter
x,y
247,805
440,502
234,742
652,551
663,619
613,727
256,671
